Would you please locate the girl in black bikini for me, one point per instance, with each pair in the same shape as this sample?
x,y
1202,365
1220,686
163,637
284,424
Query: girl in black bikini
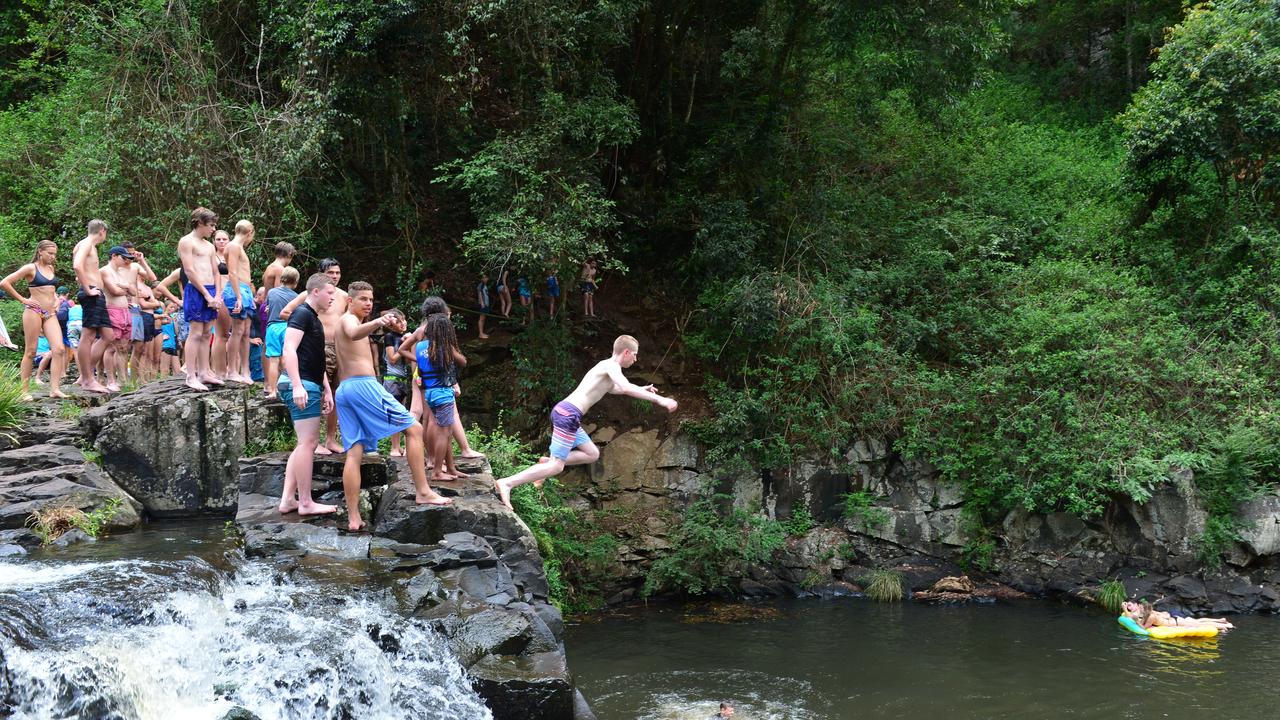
x,y
41,315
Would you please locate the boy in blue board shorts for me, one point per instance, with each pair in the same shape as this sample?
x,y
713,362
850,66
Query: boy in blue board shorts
x,y
570,444
366,411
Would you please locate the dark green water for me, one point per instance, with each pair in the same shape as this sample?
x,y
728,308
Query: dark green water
x,y
857,659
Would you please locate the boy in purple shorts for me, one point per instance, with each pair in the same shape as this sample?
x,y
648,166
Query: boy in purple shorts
x,y
366,411
570,444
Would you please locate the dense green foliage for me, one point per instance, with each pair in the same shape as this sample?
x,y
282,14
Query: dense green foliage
x,y
1033,243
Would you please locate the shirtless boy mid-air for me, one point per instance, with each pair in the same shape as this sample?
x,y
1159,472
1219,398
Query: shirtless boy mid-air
x,y
201,295
367,412
570,444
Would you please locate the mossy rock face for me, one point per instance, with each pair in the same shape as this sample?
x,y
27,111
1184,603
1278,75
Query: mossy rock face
x,y
175,450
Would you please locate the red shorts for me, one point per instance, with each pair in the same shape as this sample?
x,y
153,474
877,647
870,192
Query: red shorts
x,y
121,321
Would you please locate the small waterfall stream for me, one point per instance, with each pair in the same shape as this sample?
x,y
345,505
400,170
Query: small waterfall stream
x,y
187,638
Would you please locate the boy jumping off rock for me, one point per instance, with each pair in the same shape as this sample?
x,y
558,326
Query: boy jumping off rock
x,y
570,445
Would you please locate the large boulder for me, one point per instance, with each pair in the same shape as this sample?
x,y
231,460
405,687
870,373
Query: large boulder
x,y
175,450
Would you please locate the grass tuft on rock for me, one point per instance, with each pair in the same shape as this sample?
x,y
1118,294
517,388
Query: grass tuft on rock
x,y
884,585
1112,595
52,522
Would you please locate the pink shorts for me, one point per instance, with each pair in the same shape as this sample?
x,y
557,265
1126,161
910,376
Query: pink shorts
x,y
121,321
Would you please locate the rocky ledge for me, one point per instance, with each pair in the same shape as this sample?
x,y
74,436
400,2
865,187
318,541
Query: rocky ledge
x,y
470,569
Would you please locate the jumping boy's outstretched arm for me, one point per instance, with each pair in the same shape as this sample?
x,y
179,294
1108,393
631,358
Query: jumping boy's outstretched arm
x,y
623,386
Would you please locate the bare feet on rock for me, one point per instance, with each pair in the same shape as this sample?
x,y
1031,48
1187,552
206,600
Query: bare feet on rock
x,y
504,493
316,508
432,497
195,384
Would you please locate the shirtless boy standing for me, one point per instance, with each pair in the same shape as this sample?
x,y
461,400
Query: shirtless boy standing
x,y
305,383
237,295
96,334
120,281
570,445
329,318
201,295
284,256
368,412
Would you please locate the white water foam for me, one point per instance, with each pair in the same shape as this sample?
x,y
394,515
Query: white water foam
x,y
277,649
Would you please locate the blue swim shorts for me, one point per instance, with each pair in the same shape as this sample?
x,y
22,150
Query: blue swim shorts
x,y
367,413
314,395
275,338
247,308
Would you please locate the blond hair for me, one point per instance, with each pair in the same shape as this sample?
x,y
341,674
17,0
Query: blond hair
x,y
289,277
625,342
244,227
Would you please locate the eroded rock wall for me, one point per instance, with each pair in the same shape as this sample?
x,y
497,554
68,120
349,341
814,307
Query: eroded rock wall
x,y
917,526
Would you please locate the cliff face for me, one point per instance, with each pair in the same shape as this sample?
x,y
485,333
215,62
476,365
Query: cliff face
x,y
916,526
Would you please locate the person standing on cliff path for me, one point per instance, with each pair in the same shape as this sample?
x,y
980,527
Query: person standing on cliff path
x,y
201,296
40,316
570,444
330,319
96,334
237,297
367,412
305,383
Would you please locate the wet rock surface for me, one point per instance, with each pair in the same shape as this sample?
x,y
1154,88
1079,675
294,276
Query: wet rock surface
x,y
44,467
470,569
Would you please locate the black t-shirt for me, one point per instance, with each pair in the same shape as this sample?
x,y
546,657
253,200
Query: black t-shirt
x,y
311,349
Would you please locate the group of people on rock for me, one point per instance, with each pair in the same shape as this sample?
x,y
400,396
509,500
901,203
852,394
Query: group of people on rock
x,y
324,353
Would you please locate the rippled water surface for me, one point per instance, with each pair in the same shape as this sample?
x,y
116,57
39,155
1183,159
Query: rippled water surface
x,y
811,660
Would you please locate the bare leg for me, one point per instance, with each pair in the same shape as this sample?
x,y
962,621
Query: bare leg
x,y
424,495
271,374
58,365
91,352
464,448
30,339
197,356
351,486
221,328
538,471
331,444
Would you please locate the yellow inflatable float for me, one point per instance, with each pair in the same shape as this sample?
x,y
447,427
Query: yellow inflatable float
x,y
1168,633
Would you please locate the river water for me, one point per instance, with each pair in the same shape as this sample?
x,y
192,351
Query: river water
x,y
170,623
852,658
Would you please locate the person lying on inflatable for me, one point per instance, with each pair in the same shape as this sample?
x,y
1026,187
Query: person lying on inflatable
x,y
1148,617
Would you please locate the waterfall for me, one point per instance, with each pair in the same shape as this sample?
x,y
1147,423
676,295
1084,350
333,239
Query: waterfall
x,y
178,639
